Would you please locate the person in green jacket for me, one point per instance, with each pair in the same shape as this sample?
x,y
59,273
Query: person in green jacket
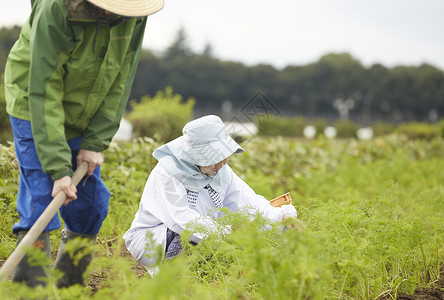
x,y
67,83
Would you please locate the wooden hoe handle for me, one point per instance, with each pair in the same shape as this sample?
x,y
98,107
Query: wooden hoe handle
x,y
35,231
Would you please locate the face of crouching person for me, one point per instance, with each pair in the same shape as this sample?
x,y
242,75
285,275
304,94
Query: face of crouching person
x,y
213,169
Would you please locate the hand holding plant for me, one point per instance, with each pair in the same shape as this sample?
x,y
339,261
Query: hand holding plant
x,y
292,222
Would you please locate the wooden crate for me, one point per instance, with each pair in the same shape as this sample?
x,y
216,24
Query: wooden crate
x,y
281,200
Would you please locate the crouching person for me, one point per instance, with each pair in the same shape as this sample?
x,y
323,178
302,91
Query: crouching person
x,y
190,182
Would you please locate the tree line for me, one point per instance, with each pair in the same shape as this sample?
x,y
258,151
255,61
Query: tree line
x,y
335,86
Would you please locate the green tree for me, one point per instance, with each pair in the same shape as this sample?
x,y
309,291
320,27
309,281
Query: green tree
x,y
337,76
151,76
180,46
263,78
374,93
428,85
376,100
8,36
208,50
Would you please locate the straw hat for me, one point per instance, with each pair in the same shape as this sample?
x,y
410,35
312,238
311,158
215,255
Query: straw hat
x,y
130,8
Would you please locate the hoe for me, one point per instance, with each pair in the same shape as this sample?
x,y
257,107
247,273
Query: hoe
x,y
32,235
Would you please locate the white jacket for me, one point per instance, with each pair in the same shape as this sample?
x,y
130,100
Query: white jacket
x,y
164,204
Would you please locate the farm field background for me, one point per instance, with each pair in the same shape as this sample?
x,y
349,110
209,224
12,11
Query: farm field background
x,y
374,214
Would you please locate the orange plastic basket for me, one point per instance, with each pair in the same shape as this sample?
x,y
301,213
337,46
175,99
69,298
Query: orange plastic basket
x,y
281,200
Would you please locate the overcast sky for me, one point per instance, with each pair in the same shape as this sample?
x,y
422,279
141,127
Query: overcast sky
x,y
296,32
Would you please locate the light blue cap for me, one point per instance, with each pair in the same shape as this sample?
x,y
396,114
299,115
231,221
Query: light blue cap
x,y
205,142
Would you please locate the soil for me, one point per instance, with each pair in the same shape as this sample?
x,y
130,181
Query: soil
x,y
96,279
424,293
436,292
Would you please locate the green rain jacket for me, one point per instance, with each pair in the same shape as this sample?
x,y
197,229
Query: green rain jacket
x,y
70,74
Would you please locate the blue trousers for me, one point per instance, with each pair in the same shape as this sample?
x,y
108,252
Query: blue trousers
x,y
84,215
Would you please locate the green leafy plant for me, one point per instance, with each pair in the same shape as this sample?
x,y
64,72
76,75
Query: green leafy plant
x,y
285,126
419,130
161,117
345,128
373,212
9,171
382,128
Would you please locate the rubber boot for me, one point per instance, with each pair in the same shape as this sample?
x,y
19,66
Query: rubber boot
x,y
33,273
73,259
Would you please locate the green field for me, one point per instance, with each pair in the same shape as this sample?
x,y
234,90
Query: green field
x,y
374,213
